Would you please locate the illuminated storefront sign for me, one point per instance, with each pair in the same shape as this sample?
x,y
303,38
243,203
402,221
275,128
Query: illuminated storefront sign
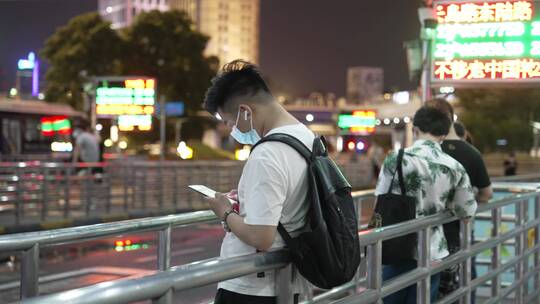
x,y
358,122
485,41
129,122
60,146
27,63
31,63
483,11
55,124
131,100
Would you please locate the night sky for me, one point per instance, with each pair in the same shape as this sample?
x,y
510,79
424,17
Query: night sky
x,y
305,45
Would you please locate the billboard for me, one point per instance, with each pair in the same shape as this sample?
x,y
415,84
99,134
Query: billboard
x,y
364,83
130,100
486,41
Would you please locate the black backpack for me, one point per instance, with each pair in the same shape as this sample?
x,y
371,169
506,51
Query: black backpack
x,y
328,253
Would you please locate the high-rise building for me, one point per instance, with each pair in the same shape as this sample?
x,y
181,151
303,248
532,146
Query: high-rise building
x,y
121,13
364,83
232,25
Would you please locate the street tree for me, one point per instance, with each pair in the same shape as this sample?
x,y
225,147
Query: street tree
x,y
500,114
85,47
166,46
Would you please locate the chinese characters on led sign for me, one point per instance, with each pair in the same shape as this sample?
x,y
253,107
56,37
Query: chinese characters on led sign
x,y
131,100
489,40
358,122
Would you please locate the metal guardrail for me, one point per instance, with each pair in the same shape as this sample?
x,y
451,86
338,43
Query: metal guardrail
x,y
29,244
160,286
47,191
516,178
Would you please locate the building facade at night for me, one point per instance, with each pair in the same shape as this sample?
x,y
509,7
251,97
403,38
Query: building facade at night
x,y
233,25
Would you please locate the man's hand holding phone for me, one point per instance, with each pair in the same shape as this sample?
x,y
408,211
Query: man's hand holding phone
x,y
219,202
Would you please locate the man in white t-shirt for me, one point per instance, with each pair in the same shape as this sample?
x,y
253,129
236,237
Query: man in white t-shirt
x,y
273,186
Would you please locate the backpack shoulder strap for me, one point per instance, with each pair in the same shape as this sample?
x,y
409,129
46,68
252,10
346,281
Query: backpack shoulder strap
x,y
289,140
297,145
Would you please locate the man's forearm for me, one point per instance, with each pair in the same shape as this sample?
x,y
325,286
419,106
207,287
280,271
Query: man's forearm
x,y
260,237
484,195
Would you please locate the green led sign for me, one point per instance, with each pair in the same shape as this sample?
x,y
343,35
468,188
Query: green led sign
x,y
361,121
126,97
486,41
349,121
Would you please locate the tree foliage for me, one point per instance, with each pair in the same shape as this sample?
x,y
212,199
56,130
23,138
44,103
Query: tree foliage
x,y
86,46
158,44
502,113
163,45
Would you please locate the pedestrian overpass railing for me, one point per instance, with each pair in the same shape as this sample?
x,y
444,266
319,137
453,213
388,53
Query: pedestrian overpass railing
x,y
37,191
367,286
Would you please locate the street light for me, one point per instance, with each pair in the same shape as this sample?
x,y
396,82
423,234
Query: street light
x,y
429,24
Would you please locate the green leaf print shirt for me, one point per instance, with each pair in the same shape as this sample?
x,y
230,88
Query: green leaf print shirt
x,y
436,180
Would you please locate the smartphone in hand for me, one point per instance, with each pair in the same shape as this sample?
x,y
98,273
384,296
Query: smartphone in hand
x,y
202,189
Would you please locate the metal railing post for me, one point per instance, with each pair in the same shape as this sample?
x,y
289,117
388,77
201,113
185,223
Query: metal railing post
x,y
29,272
423,288
45,193
125,179
175,188
465,277
283,284
164,261
536,242
133,182
19,204
519,250
189,179
143,188
106,178
374,268
161,186
87,195
67,188
496,251
525,213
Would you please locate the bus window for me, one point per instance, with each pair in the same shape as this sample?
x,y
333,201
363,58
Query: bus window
x,y
11,133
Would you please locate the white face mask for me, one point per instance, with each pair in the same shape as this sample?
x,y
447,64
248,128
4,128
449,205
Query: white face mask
x,y
250,137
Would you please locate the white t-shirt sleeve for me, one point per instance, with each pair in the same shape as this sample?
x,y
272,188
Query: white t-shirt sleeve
x,y
265,189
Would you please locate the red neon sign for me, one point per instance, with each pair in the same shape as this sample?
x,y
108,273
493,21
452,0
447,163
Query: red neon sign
x,y
487,11
52,124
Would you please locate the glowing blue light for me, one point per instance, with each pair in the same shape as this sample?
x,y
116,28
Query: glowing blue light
x,y
27,64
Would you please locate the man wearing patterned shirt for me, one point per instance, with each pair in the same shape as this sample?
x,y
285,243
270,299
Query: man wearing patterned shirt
x,y
436,181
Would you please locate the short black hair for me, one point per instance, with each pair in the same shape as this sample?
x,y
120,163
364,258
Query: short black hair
x,y
82,124
459,128
236,78
443,105
432,120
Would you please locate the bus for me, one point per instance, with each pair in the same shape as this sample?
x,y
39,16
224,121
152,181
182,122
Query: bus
x,y
35,130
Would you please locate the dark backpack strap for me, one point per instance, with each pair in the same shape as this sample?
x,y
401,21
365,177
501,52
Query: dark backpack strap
x,y
297,145
289,242
289,140
399,171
